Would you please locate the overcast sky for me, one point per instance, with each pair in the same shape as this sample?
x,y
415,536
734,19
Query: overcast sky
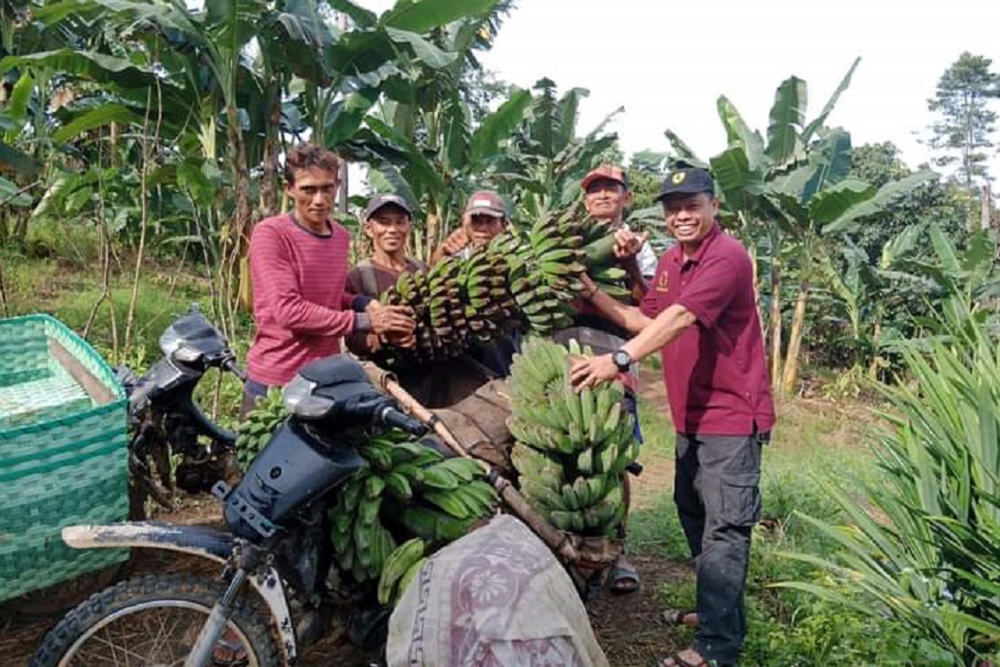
x,y
667,62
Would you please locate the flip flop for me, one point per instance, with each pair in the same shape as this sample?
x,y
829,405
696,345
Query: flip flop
x,y
624,579
677,660
681,617
237,656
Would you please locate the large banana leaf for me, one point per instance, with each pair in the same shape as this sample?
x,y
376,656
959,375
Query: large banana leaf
x,y
346,116
886,195
818,122
784,144
420,16
90,65
741,185
499,126
831,202
739,134
423,50
832,159
94,118
683,150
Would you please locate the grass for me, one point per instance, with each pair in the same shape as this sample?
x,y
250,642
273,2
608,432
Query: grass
x,y
62,288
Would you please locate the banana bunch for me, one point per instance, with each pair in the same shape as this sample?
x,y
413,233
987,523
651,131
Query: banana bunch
x,y
434,296
572,448
543,269
484,294
599,253
406,491
401,567
259,425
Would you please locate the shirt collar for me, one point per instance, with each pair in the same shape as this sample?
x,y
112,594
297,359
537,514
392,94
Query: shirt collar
x,y
700,252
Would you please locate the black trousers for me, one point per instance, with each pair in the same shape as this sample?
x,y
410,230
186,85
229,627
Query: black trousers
x,y
717,491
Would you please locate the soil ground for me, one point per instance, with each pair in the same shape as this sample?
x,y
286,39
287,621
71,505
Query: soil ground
x,y
629,628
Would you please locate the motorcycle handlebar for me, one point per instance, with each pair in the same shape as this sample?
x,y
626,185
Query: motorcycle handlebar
x,y
230,365
393,418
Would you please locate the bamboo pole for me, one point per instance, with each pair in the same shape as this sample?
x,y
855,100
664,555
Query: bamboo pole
x,y
557,541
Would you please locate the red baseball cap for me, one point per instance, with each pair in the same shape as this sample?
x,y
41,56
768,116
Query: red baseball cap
x,y
606,171
486,202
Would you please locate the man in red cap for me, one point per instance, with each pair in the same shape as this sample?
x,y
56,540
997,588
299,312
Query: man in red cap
x,y
701,314
607,197
485,217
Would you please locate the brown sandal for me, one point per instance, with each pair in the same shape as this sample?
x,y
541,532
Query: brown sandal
x,y
677,660
687,618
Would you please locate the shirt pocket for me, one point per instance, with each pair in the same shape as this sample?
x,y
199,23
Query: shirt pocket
x,y
741,501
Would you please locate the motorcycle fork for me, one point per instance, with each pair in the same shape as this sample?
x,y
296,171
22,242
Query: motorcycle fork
x,y
211,632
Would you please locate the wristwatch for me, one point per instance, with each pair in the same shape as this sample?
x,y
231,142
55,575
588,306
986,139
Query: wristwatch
x,y
622,359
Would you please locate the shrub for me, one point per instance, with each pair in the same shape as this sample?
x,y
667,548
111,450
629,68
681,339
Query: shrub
x,y
923,547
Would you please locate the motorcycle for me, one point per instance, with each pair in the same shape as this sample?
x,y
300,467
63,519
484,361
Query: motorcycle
x,y
165,424
277,541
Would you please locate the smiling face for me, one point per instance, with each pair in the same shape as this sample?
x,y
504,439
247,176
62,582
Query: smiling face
x,y
313,193
388,228
482,227
690,217
607,199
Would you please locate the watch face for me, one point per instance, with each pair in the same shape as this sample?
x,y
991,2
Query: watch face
x,y
621,359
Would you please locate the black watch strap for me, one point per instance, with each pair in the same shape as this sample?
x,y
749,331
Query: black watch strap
x,y
622,359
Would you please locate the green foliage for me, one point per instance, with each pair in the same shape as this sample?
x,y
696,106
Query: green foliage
x,y
923,546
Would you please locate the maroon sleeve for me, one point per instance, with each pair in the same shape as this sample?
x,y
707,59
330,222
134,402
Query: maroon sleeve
x,y
274,283
711,289
649,306
353,284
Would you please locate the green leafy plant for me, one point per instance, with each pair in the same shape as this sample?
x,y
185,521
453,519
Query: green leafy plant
x,y
923,545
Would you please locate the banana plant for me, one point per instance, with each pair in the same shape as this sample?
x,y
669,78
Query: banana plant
x,y
816,201
543,171
752,162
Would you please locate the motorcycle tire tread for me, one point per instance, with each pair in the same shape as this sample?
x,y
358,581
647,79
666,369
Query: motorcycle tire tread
x,y
146,589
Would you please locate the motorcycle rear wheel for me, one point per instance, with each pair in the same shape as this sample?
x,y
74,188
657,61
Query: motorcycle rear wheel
x,y
151,621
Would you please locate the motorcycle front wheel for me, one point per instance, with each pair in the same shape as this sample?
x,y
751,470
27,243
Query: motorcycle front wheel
x,y
153,621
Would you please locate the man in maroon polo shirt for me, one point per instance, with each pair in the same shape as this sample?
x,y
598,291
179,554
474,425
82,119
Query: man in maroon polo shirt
x,y
701,314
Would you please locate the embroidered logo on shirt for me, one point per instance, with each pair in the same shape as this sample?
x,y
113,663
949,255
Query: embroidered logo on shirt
x,y
662,283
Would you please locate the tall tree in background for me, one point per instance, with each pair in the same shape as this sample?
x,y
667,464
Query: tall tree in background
x,y
963,99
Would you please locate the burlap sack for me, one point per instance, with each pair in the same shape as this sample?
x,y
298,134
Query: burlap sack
x,y
495,598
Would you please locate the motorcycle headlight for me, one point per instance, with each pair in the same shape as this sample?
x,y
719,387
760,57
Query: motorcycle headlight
x,y
300,401
170,341
186,355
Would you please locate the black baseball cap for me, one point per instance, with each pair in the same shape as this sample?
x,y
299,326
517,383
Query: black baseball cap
x,y
687,181
379,201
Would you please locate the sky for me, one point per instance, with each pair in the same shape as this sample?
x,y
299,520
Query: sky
x,y
667,62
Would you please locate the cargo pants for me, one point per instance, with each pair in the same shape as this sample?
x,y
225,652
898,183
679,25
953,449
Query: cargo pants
x,y
717,491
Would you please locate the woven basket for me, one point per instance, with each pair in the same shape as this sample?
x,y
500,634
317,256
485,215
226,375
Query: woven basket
x,y
63,453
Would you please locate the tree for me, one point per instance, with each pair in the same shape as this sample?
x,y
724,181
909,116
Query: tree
x,y
963,99
936,201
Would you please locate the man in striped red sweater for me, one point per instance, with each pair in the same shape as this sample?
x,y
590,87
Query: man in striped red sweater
x,y
298,264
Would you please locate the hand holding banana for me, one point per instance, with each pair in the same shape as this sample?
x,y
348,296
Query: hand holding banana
x,y
591,372
628,243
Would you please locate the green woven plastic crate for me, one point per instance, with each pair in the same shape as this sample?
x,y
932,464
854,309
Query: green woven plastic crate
x,y
63,453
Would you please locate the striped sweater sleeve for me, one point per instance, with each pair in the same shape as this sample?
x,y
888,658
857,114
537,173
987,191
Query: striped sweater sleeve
x,y
275,282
